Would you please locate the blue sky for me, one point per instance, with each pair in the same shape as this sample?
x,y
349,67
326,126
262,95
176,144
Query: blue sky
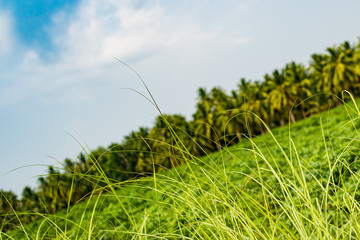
x,y
32,20
60,84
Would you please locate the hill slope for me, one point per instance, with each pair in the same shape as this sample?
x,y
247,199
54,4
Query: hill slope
x,y
300,182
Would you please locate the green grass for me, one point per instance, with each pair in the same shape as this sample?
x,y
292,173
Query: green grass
x,y
299,182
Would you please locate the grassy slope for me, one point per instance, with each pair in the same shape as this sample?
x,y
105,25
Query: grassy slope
x,y
250,190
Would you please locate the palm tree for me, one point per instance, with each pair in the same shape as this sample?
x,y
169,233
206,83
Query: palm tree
x,y
8,204
139,144
337,70
167,133
223,112
255,103
316,70
30,202
236,122
299,76
120,163
29,199
282,93
203,121
356,59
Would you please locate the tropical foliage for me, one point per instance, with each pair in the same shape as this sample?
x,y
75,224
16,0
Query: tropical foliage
x,y
220,120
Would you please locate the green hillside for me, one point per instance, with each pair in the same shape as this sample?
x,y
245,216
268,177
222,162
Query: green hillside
x,y
223,182
300,182
221,119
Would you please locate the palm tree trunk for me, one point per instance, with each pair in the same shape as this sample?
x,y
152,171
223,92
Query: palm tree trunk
x,y
238,135
292,117
217,146
282,123
303,113
261,129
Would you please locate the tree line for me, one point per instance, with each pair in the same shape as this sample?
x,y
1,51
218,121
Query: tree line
x,y
221,119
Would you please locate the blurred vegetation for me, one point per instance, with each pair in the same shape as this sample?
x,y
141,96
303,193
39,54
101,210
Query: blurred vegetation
x,y
220,121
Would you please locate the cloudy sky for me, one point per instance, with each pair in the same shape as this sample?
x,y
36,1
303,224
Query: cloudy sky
x,y
61,88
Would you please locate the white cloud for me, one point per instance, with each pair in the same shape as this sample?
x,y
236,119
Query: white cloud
x,y
86,39
6,34
99,30
177,46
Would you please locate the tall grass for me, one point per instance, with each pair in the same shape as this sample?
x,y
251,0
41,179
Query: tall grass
x,y
278,186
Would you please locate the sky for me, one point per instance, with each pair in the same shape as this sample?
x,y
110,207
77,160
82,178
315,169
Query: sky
x,y
61,88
